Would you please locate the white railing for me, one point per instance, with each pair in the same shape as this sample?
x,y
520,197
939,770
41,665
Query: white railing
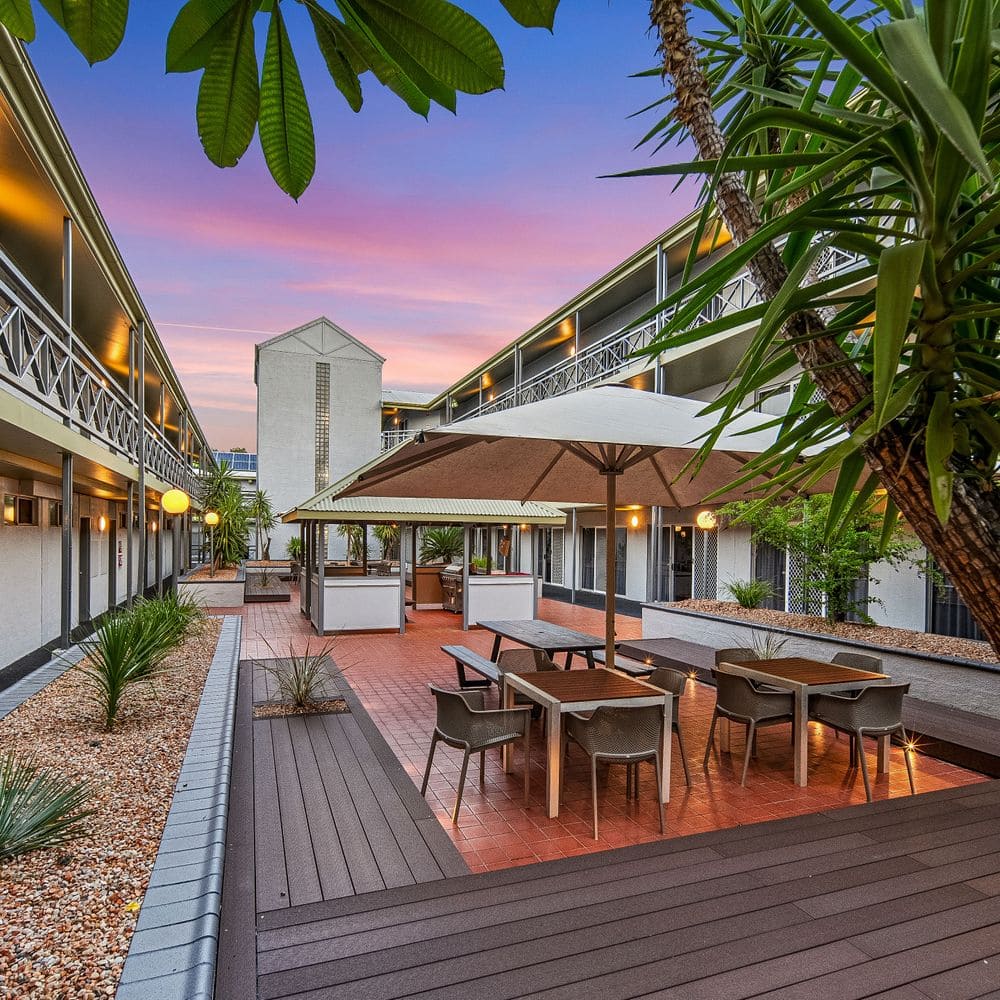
x,y
391,438
43,363
614,353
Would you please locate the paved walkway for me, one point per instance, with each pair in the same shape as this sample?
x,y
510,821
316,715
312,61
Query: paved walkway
x,y
390,672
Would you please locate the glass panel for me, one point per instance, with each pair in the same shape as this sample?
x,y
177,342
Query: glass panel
x,y
9,509
681,562
621,554
587,559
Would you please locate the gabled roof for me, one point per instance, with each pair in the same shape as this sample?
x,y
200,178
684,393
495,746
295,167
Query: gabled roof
x,y
312,323
406,397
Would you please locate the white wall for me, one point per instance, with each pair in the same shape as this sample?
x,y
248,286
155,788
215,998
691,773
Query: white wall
x,y
903,592
734,558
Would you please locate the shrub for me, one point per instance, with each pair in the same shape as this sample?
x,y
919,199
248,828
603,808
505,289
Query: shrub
x,y
171,614
38,808
126,649
767,645
750,593
441,545
300,677
294,549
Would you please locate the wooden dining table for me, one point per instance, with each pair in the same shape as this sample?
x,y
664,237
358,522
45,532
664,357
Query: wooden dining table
x,y
804,677
537,634
560,691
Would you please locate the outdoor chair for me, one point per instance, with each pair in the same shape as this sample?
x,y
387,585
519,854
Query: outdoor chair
x,y
876,710
523,661
619,736
738,700
860,661
674,681
464,724
735,654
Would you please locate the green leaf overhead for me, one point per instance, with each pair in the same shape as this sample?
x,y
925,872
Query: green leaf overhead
x,y
96,27
532,13
940,444
228,98
199,25
16,17
286,130
343,61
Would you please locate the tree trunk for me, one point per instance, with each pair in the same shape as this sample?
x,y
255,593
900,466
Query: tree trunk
x,y
968,548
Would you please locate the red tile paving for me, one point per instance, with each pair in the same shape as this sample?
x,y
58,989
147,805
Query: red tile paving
x,y
390,674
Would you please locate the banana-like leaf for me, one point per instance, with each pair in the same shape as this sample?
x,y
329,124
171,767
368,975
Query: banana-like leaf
x,y
845,491
199,25
95,27
898,274
342,59
446,42
229,95
16,17
286,130
532,13
889,521
939,445
909,53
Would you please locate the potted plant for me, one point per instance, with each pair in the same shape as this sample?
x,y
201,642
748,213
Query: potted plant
x,y
294,552
479,564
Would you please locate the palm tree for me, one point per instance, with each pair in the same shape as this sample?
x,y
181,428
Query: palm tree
x,y
260,509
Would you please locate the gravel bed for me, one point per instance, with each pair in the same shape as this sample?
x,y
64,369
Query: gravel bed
x,y
332,706
224,574
67,915
875,635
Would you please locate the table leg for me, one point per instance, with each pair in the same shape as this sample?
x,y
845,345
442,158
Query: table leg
x,y
553,764
883,754
801,736
590,660
507,700
569,657
666,746
496,648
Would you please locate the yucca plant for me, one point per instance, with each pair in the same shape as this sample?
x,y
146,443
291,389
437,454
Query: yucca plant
x,y
767,645
441,545
749,593
301,677
38,808
125,650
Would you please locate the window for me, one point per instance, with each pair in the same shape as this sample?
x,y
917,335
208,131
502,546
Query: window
x,y
55,514
322,442
593,557
19,510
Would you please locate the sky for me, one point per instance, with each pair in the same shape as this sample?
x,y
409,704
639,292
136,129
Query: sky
x,y
434,242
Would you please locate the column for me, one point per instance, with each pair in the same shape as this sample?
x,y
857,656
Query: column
x,y
67,308
129,529
66,561
140,400
320,575
466,550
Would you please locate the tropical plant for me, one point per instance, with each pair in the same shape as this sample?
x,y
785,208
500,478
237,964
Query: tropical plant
x,y
355,535
899,162
388,539
39,808
293,548
260,510
126,649
833,563
422,50
441,545
172,614
481,564
300,678
767,645
749,593
220,492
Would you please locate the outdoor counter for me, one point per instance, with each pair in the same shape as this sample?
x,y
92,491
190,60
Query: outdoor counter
x,y
509,597
360,603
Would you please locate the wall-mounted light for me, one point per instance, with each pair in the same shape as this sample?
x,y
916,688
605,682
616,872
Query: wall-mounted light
x,y
634,520
524,527
572,350
153,527
707,520
175,502
102,524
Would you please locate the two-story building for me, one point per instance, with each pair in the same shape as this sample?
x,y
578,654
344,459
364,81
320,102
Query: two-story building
x,y
94,423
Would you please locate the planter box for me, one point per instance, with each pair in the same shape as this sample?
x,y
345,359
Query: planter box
x,y
214,593
964,684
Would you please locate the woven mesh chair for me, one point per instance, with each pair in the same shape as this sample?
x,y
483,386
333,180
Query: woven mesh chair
x,y
619,736
675,682
735,654
876,710
738,700
860,661
523,661
464,724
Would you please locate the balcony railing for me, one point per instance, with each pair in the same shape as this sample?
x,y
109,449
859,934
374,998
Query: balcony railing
x,y
614,353
44,364
391,438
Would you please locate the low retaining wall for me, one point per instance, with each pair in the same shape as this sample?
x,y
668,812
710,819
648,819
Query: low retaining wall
x,y
214,593
964,684
173,951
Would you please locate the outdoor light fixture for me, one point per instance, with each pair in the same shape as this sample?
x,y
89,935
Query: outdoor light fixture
x,y
211,519
707,520
634,521
152,527
175,502
102,524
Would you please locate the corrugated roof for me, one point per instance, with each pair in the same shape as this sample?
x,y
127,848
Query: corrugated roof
x,y
423,511
405,396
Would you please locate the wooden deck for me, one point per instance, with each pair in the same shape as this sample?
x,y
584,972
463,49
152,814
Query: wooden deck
x,y
900,899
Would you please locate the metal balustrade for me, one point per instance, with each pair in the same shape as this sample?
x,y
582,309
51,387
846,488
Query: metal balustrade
x,y
43,363
391,438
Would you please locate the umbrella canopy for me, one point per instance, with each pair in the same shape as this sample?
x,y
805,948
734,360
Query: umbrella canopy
x,y
592,446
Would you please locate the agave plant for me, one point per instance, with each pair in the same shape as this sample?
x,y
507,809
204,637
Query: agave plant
x,y
38,808
300,678
441,545
127,649
750,593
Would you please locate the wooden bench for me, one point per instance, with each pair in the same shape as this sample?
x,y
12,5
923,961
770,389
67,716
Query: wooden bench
x,y
634,668
469,659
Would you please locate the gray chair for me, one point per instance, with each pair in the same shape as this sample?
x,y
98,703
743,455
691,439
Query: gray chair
x,y
735,654
675,682
523,661
738,700
619,736
860,661
876,710
463,723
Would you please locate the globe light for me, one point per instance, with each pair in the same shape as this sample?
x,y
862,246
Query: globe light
x,y
707,520
175,502
211,518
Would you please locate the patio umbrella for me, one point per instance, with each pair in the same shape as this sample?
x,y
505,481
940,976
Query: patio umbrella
x,y
589,447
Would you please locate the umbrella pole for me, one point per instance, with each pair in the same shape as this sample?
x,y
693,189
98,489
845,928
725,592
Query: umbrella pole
x,y
610,553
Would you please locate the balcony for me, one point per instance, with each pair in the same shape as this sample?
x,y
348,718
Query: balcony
x,y
391,438
613,354
44,364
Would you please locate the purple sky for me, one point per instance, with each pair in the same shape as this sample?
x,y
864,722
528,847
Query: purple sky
x,y
433,242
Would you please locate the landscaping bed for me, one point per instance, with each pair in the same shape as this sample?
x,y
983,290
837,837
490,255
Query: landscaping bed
x,y
875,635
224,574
68,912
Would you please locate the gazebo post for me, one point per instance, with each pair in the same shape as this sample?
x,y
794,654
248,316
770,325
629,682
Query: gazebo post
x,y
465,576
534,568
320,577
402,585
364,549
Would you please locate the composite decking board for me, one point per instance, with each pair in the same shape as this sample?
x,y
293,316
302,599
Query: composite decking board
x,y
447,855
303,874
357,853
965,982
381,837
979,732
236,967
327,850
269,852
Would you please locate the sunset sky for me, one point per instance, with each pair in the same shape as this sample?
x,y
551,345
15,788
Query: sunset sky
x,y
433,242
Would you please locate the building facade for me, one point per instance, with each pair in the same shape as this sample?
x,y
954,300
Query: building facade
x,y
94,422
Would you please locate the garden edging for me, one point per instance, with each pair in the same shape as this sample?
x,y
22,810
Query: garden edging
x,y
172,955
